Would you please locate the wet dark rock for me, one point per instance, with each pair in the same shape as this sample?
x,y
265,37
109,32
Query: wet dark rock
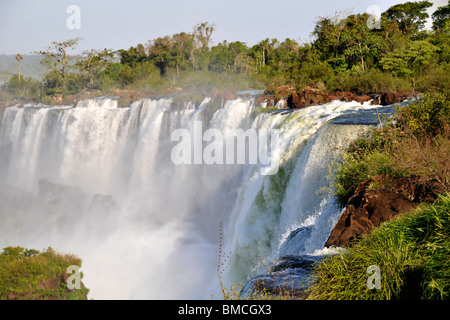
x,y
291,275
292,283
295,262
295,243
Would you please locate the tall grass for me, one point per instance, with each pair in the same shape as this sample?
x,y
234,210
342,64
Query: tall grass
x,y
412,253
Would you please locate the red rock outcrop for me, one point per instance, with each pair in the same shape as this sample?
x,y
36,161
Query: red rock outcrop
x,y
377,200
307,97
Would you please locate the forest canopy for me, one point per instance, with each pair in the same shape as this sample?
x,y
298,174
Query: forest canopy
x,y
346,54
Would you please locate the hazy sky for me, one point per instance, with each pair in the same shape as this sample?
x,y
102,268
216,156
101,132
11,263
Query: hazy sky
x,y
31,25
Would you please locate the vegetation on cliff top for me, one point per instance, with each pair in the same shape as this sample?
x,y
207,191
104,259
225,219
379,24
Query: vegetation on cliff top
x,y
33,275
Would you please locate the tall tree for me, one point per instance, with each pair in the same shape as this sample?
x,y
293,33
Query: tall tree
x,y
264,46
360,43
328,32
440,17
409,60
93,62
221,58
57,60
182,48
159,52
19,58
203,33
133,56
411,16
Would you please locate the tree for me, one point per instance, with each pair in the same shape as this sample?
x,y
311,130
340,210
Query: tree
x,y
393,37
359,42
407,61
269,54
182,48
202,33
411,16
264,45
440,17
346,42
18,58
133,56
57,60
221,58
239,57
159,52
243,63
328,32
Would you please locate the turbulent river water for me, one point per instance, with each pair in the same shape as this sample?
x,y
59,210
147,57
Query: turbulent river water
x,y
101,182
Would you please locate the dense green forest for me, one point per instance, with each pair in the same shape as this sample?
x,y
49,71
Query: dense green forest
x,y
347,54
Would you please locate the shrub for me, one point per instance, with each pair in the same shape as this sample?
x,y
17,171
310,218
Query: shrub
x,y
21,269
367,81
25,89
425,116
434,79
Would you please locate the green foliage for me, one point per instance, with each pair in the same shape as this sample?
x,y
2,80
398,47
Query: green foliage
x,y
22,88
92,63
410,16
132,56
361,44
411,252
355,169
441,17
415,141
426,116
344,55
58,62
314,72
366,81
407,61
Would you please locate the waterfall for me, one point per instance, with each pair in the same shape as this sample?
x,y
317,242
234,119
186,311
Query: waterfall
x,y
98,181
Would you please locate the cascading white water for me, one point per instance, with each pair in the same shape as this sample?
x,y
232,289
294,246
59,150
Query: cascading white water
x,y
98,181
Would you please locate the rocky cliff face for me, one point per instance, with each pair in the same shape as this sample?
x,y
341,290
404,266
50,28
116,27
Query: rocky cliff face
x,y
377,200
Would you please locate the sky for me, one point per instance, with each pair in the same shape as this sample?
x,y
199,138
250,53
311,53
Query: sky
x,y
31,25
